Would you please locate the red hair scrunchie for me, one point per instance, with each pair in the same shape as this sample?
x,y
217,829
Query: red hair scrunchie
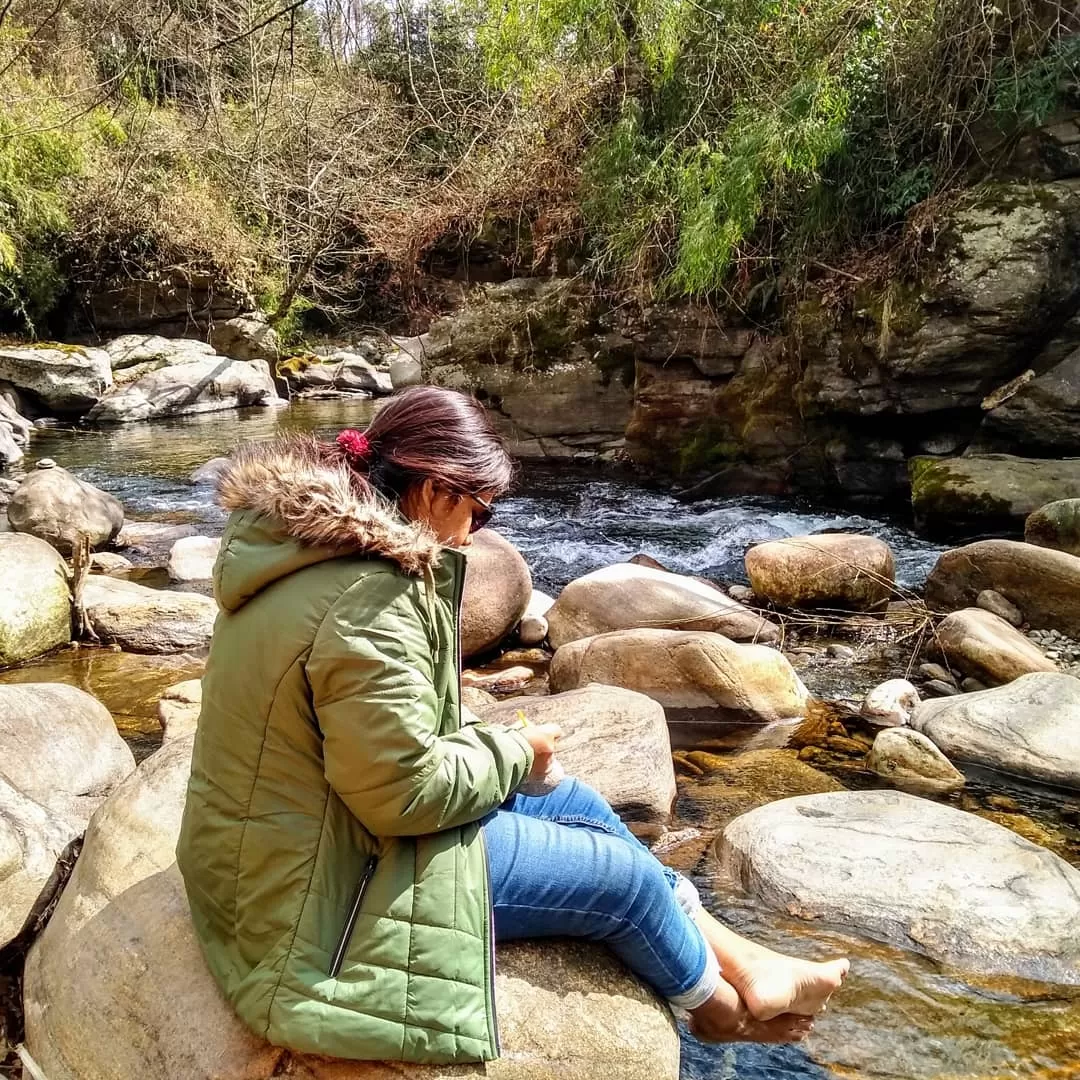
x,y
355,444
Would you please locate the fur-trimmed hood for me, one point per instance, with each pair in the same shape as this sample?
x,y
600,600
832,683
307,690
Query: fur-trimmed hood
x,y
304,502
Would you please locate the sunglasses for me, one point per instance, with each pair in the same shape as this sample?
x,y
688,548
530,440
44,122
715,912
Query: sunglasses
x,y
480,518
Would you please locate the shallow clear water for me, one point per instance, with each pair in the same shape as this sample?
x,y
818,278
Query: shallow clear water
x,y
900,1016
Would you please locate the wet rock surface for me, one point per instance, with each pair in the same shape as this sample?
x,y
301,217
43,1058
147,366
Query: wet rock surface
x,y
35,601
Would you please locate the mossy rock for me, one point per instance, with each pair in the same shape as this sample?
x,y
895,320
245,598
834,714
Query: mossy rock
x,y
1056,525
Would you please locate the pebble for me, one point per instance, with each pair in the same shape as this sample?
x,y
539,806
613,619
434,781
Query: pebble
x,y
972,686
743,594
840,652
940,688
936,671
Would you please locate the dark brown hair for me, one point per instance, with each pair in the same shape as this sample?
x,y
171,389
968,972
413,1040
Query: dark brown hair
x,y
428,433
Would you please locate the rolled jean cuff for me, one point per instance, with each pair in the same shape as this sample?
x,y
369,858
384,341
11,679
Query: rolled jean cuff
x,y
703,989
688,897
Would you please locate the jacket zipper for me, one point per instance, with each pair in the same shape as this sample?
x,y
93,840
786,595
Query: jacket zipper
x,y
354,913
493,1018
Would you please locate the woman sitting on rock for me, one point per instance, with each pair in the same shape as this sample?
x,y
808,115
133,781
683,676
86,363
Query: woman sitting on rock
x,y
353,847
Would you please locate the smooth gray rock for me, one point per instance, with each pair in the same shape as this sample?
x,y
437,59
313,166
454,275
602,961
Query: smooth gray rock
x,y
57,507
996,604
192,558
614,740
1031,727
145,620
247,337
626,596
1056,525
35,601
209,472
185,389
909,760
986,647
916,874
497,590
66,379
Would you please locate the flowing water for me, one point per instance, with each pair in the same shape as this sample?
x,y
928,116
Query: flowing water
x,y
901,1016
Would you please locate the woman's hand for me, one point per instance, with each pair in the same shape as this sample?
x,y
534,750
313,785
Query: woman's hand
x,y
542,738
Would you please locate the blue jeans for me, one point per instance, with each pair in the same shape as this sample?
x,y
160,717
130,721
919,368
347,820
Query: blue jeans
x,y
564,865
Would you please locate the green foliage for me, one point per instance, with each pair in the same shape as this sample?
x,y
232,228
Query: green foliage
x,y
1031,91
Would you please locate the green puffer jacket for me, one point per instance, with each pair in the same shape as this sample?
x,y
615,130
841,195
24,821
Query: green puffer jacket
x,y
330,847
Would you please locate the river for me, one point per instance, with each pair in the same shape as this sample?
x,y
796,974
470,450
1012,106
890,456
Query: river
x,y
900,1016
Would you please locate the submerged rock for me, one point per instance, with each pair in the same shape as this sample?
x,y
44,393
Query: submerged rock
x,y
1043,584
613,739
192,558
57,507
687,670
627,596
62,378
35,601
911,761
916,874
145,620
1056,525
829,570
497,590
1030,728
986,647
116,987
185,389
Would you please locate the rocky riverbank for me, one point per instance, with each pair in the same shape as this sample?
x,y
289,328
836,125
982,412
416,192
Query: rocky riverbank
x,y
819,678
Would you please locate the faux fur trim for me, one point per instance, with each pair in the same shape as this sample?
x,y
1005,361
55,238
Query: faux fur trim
x,y
317,505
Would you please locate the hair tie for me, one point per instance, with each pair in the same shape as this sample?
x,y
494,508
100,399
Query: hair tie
x,y
356,445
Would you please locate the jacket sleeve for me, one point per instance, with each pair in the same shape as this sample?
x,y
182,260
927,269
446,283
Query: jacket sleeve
x,y
371,675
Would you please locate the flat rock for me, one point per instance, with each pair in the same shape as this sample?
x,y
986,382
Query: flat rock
x,y
984,646
185,389
192,558
615,740
135,355
1030,728
155,536
246,337
916,874
109,562
986,493
497,590
627,596
116,986
145,620
1055,525
911,761
63,379
1043,584
179,708
56,506
35,603
686,670
844,570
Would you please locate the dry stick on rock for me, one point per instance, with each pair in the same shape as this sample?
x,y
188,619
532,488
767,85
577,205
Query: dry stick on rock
x,y
80,571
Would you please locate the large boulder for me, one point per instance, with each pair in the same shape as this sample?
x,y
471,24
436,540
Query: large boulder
x,y
135,355
197,386
916,874
56,506
991,492
829,570
1031,727
497,590
687,671
342,369
1055,525
613,739
911,761
145,620
62,378
247,337
14,429
192,558
1041,418
628,595
35,602
116,986
984,646
1043,584
62,755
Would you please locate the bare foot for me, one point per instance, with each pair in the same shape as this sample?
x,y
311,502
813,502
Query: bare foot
x,y
725,1018
769,983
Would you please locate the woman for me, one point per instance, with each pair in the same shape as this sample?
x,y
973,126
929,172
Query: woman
x,y
351,847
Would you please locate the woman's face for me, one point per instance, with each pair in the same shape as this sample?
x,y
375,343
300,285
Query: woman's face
x,y
449,515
